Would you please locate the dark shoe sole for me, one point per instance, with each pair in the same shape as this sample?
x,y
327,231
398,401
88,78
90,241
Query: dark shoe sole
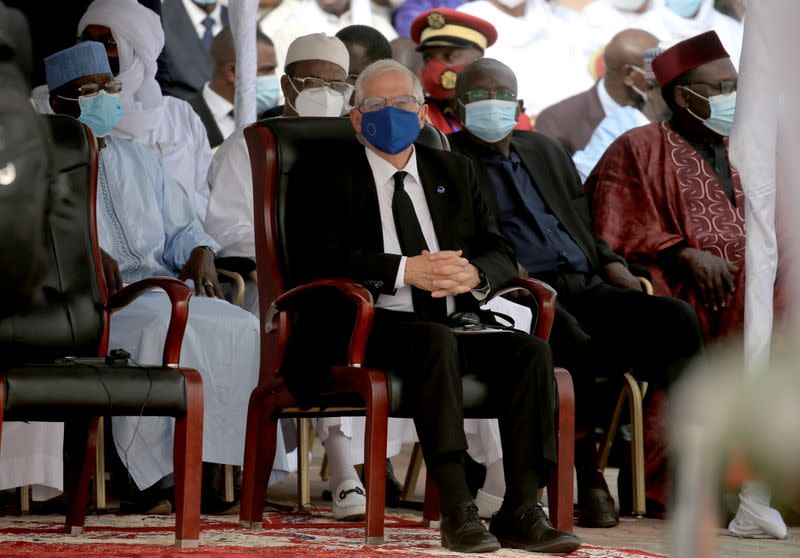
x,y
488,546
597,524
555,547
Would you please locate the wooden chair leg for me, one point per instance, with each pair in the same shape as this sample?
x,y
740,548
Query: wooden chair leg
x,y
100,468
431,512
611,431
80,444
303,465
560,490
187,455
24,500
377,402
259,450
637,445
229,492
412,475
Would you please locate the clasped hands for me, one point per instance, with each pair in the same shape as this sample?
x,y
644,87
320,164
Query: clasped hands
x,y
444,273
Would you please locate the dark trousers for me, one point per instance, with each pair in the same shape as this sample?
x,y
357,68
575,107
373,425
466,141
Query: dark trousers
x,y
602,330
516,367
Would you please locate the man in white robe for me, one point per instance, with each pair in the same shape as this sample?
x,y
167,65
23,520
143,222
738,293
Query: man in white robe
x,y
167,126
146,227
329,17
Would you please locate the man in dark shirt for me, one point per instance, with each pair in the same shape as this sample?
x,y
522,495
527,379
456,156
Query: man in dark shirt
x,y
605,324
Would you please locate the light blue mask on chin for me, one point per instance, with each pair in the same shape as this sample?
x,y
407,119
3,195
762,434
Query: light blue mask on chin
x,y
205,2
268,91
491,120
685,8
723,109
100,112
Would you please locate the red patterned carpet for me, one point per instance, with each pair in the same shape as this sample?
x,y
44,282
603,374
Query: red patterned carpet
x,y
283,535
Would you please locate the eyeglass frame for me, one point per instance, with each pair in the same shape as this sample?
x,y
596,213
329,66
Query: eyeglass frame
x,y
103,87
719,86
492,95
350,88
391,101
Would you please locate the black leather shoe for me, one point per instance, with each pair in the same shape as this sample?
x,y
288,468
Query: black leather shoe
x,y
463,531
595,504
528,528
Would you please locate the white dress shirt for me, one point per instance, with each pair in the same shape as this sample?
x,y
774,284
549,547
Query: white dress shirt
x,y
221,110
610,106
197,15
383,172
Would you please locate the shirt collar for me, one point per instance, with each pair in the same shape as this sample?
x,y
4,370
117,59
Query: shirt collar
x,y
217,104
383,171
197,14
609,105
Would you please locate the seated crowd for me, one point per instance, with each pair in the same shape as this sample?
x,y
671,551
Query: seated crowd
x,y
594,183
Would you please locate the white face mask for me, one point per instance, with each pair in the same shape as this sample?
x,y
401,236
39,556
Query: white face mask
x,y
627,5
319,101
511,4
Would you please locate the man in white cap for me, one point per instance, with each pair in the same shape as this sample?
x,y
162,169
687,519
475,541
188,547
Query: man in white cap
x,y
167,126
146,227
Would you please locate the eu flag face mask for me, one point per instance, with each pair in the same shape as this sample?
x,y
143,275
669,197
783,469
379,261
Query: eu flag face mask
x,y
390,130
723,109
491,120
268,90
100,112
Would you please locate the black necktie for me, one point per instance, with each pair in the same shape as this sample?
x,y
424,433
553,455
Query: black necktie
x,y
412,243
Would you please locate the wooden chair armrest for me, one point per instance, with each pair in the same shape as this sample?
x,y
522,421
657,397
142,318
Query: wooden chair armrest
x,y
545,297
179,294
353,291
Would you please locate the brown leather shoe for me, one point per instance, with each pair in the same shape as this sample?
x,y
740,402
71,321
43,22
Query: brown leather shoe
x,y
528,528
463,531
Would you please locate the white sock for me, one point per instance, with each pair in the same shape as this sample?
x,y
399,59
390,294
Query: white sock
x,y
340,458
495,483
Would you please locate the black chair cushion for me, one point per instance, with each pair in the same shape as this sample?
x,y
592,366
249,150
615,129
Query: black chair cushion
x,y
53,392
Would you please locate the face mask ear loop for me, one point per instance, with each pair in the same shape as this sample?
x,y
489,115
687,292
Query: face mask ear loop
x,y
288,102
690,111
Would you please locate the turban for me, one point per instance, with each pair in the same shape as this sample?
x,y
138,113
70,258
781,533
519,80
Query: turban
x,y
84,59
140,39
686,56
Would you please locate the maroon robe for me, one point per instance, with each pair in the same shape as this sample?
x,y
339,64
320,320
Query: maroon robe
x,y
651,190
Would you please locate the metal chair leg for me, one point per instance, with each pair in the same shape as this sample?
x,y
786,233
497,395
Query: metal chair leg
x,y
25,500
303,480
100,469
637,447
412,475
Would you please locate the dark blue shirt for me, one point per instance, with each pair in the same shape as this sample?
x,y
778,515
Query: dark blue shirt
x,y
542,245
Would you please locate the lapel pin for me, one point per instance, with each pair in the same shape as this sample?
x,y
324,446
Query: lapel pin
x,y
440,190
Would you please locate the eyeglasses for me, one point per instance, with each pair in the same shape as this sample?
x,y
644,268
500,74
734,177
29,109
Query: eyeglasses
x,y
476,95
403,102
91,89
105,40
724,87
649,77
340,87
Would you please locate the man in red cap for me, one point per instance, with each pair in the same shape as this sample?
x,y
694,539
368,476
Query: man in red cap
x,y
665,195
449,40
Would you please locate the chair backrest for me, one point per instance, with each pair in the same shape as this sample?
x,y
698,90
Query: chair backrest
x,y
68,319
275,145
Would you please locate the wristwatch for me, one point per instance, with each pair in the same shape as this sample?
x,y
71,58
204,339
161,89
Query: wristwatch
x,y
210,249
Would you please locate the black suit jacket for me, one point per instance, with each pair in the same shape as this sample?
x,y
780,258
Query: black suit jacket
x,y
201,108
573,120
189,63
558,182
333,229
333,222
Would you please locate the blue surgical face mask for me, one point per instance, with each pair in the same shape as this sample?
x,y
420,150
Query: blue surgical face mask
x,y
685,8
723,109
205,2
268,90
491,120
390,130
100,112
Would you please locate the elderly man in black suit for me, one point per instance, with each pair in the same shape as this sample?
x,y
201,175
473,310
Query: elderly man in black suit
x,y
604,322
410,223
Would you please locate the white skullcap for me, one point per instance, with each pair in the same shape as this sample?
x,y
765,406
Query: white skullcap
x,y
318,46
